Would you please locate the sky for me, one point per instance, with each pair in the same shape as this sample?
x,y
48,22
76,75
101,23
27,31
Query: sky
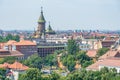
x,y
63,14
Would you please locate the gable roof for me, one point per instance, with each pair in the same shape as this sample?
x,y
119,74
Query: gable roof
x,y
18,66
109,62
109,54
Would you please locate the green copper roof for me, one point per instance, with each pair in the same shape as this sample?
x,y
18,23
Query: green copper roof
x,y
49,27
41,18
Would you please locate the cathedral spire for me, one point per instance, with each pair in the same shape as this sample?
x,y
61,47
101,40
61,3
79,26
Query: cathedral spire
x,y
49,27
50,30
41,18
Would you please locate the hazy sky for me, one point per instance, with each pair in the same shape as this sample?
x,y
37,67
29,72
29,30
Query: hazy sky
x,y
63,14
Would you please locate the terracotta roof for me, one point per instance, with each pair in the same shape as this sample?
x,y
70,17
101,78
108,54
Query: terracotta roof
x,y
91,53
25,42
110,53
10,42
5,65
110,62
18,66
94,66
111,38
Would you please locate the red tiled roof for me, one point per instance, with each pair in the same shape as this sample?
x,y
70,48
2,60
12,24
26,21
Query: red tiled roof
x,y
91,53
25,42
18,66
5,65
110,53
10,42
114,62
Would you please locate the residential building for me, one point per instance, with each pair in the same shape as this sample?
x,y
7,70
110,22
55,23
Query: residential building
x,y
110,60
26,47
13,70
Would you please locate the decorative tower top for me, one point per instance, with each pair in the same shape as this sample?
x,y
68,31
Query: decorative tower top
x,y
49,27
50,30
41,18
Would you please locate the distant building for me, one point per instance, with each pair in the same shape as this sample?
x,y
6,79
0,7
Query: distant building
x,y
7,53
49,30
26,47
13,70
44,47
110,42
41,31
110,60
48,48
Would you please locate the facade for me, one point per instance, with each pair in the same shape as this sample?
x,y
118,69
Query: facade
x,y
48,48
84,47
7,53
26,47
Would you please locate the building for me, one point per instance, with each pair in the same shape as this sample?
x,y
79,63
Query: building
x,y
44,47
13,70
49,30
110,60
7,53
40,32
26,47
110,42
48,48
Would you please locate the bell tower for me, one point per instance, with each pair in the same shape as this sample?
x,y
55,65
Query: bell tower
x,y
40,33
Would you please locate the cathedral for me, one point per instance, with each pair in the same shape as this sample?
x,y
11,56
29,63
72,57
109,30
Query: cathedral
x,y
41,31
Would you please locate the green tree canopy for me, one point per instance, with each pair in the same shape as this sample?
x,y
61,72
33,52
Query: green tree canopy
x,y
9,37
72,47
50,60
31,74
69,61
102,51
9,59
34,61
2,74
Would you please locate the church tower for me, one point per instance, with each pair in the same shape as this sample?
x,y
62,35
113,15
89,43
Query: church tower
x,y
40,33
49,30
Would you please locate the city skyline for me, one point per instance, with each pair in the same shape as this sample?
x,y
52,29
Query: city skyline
x,y
63,15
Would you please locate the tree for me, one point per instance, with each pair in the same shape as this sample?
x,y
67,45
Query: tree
x,y
55,76
9,59
34,61
9,37
50,60
83,59
72,47
31,74
2,74
102,51
16,38
69,62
